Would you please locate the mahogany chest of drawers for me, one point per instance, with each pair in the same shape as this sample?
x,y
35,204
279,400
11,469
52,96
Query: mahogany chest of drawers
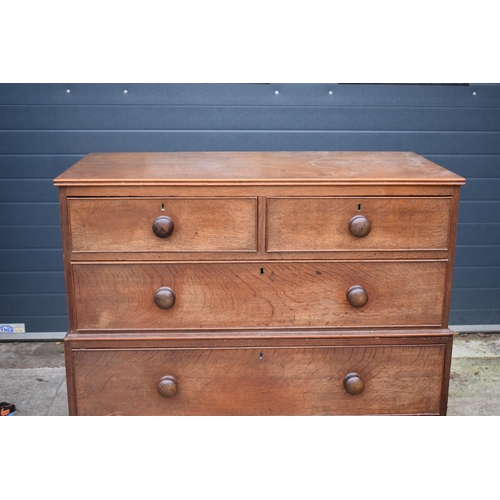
x,y
262,283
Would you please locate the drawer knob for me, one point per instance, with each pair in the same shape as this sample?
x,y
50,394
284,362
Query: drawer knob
x,y
359,226
167,387
164,297
163,226
357,296
353,384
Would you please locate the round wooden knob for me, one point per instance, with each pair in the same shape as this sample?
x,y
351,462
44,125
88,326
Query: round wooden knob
x,y
353,384
357,296
163,226
164,297
359,226
167,387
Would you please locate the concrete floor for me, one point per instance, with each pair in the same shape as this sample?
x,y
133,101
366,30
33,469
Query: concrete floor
x,y
32,376
475,375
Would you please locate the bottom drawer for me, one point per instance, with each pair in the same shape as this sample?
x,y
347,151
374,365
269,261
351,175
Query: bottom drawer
x,y
393,379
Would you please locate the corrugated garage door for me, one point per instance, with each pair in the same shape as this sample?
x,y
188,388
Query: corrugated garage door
x,y
46,128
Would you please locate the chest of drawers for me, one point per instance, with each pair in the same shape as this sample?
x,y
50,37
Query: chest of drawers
x,y
263,283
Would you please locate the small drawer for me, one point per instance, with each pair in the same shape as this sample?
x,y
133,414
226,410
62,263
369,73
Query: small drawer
x,y
357,224
391,379
163,225
141,296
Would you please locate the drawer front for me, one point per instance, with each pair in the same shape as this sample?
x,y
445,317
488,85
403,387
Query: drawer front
x,y
199,224
323,224
266,381
258,295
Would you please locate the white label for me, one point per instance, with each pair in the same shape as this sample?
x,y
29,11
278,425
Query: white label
x,y
13,328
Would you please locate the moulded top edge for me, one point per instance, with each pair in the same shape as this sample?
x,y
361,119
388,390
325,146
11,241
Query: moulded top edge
x,y
258,182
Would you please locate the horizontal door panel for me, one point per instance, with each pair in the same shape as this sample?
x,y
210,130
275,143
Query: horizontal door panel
x,y
169,225
258,295
329,224
260,381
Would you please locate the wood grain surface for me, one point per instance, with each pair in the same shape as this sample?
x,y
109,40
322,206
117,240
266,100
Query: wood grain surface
x,y
201,224
264,167
322,224
253,295
260,381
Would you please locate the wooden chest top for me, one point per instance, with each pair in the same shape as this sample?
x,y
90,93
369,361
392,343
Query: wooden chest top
x,y
256,168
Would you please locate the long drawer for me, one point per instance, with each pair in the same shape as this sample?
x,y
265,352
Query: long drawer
x,y
163,224
140,296
357,224
260,381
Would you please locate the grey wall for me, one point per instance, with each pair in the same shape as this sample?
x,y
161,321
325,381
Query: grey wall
x,y
44,130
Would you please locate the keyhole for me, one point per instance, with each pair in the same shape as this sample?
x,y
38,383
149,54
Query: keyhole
x,y
163,207
262,271
261,355
359,207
